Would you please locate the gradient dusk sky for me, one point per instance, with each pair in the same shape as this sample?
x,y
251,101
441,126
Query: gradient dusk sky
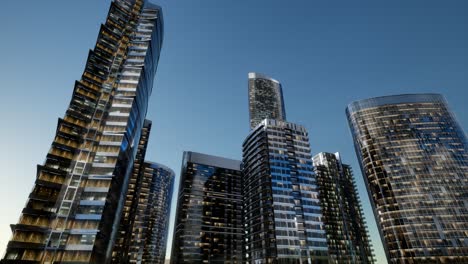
x,y
325,53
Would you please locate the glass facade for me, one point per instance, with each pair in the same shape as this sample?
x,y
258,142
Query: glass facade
x,y
347,238
208,226
144,223
121,251
282,214
158,211
265,99
413,155
73,212
151,219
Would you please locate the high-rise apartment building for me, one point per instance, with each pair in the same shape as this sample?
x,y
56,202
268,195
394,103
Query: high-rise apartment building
x,y
151,219
413,155
121,251
208,227
158,211
144,223
347,237
73,212
282,214
265,99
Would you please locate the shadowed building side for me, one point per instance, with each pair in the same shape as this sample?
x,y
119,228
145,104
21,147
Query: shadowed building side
x,y
150,230
121,251
345,226
208,226
142,234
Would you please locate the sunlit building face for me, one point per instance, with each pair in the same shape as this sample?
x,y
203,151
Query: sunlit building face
x,y
413,155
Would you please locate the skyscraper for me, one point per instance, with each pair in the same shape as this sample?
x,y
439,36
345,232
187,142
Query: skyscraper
x,y
413,155
208,227
122,251
265,99
143,226
73,212
151,219
347,237
282,214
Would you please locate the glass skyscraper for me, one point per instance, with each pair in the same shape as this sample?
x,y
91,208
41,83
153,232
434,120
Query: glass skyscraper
x,y
265,99
122,249
151,218
144,223
413,155
282,214
348,241
73,212
208,227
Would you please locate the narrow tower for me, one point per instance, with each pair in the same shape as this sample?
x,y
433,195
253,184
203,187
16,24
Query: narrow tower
x,y
265,99
151,218
143,226
347,237
124,239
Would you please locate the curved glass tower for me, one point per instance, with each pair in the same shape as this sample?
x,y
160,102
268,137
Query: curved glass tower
x,y
73,212
413,155
265,99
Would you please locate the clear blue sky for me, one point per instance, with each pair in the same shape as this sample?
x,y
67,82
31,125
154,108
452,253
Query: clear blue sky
x,y
325,53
